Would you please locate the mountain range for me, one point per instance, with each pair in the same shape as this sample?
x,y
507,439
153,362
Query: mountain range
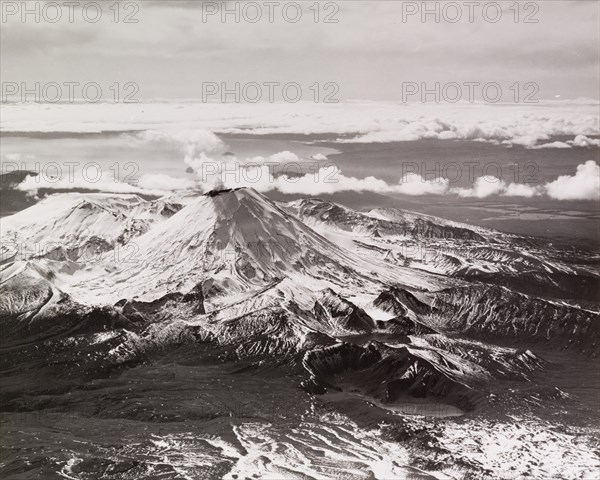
x,y
386,306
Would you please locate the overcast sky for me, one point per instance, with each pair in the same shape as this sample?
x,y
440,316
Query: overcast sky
x,y
369,52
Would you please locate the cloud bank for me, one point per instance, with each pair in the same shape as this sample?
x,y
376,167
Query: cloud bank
x,y
351,122
265,175
285,172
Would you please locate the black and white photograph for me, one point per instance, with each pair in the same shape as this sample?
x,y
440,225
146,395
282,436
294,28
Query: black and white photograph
x,y
299,240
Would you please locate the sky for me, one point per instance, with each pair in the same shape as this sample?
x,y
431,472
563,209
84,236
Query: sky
x,y
178,48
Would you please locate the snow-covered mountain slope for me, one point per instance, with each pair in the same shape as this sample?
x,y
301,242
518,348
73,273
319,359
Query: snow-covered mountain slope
x,y
381,222
431,244
74,225
234,241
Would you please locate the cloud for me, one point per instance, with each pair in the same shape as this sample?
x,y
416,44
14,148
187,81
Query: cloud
x,y
584,185
258,172
583,141
191,142
271,173
483,187
194,144
487,186
550,145
578,141
325,180
149,184
521,190
266,175
262,175
513,126
407,131
413,184
487,140
284,157
330,179
192,126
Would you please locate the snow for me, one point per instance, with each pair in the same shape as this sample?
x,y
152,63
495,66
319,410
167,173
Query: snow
x,y
523,448
240,240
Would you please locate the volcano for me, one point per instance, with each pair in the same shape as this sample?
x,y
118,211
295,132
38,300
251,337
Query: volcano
x,y
338,302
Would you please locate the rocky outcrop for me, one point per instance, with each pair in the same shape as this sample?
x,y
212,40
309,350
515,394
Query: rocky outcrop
x,y
386,375
400,302
343,315
496,313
